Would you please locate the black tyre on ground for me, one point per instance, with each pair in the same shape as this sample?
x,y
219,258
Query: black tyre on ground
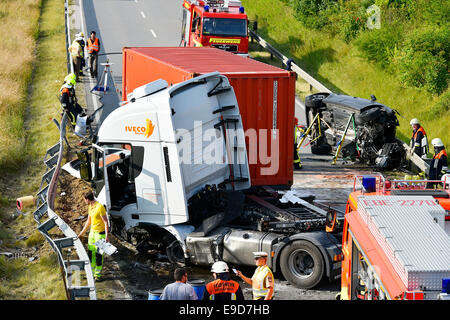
x,y
302,264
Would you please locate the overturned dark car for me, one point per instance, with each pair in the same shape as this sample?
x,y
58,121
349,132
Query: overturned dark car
x,y
369,128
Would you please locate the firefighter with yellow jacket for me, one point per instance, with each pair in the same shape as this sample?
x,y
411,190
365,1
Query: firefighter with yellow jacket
x,y
262,281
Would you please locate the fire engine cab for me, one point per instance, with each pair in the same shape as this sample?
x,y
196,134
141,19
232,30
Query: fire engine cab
x,y
220,23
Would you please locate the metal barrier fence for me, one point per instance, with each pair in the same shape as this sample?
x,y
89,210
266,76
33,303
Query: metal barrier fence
x,y
72,270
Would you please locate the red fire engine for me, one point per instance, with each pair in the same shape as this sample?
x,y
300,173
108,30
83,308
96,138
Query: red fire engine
x,y
221,24
396,241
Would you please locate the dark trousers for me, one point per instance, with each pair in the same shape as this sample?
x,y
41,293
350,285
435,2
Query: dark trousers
x,y
93,64
297,162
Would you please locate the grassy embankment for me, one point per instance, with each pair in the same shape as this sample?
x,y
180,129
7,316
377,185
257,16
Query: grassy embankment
x,y
33,66
342,67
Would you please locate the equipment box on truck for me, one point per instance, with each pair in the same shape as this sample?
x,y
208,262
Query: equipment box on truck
x,y
265,94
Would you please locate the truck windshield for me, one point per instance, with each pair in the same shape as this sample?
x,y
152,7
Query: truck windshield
x,y
225,27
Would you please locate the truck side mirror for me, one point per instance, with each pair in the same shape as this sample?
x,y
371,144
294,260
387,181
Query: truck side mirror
x,y
330,222
85,165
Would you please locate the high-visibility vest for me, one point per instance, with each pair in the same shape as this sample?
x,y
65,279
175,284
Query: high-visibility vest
x,y
423,143
440,154
260,290
93,46
438,167
75,49
222,286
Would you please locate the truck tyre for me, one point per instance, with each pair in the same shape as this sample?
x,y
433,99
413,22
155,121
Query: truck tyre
x,y
315,100
302,264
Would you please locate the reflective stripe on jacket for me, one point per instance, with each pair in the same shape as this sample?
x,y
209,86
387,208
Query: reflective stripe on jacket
x,y
259,285
438,165
75,49
93,46
223,290
420,140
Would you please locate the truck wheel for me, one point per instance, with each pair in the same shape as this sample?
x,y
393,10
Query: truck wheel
x,y
302,264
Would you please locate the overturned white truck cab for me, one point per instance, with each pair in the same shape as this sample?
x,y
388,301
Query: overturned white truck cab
x,y
171,168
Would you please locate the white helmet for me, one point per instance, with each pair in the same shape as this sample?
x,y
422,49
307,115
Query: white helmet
x,y
436,142
219,267
414,121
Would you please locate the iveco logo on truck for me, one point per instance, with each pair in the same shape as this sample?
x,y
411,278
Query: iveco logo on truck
x,y
147,131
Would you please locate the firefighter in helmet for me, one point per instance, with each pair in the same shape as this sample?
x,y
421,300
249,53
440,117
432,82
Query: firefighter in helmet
x,y
297,135
438,165
419,141
222,288
68,98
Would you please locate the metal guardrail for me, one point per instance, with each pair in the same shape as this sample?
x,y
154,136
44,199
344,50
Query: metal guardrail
x,y
71,270
45,206
289,63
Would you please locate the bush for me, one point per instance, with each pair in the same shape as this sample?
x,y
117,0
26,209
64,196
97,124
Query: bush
x,y
378,45
441,107
423,61
312,13
350,24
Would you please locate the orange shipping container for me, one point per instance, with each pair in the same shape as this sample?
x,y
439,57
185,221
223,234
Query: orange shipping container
x,y
265,94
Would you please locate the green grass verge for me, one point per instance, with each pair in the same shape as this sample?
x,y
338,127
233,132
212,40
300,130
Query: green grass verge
x,y
21,165
341,68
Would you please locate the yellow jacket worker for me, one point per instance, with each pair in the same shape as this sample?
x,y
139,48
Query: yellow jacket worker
x,y
98,221
262,281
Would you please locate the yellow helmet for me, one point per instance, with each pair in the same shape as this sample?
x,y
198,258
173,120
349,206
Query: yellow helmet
x,y
70,76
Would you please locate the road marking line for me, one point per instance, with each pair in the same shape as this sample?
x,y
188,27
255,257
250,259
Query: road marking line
x,y
153,32
143,15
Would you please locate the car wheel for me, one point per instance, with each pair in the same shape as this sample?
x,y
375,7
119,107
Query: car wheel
x,y
315,100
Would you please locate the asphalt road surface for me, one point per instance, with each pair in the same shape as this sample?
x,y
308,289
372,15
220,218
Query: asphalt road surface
x,y
119,24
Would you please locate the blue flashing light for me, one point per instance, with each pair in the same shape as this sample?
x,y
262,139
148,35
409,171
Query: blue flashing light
x,y
369,183
241,9
207,8
446,285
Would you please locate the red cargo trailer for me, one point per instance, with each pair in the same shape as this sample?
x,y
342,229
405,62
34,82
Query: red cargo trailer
x,y
265,94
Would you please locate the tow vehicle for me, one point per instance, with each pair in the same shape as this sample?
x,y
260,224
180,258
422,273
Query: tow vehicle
x,y
396,240
216,23
167,190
